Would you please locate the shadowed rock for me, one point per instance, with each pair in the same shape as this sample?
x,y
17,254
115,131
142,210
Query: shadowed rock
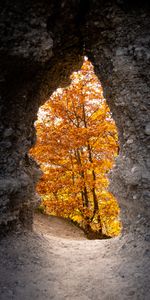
x,y
42,43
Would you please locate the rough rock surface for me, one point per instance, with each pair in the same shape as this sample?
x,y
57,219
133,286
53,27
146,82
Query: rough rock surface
x,y
42,42
121,55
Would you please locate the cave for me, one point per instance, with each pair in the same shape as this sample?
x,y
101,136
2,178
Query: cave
x,y
42,43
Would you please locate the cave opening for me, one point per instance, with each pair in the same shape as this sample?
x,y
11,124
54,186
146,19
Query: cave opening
x,y
77,143
42,43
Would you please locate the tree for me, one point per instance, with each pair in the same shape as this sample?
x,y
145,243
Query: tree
x,y
76,146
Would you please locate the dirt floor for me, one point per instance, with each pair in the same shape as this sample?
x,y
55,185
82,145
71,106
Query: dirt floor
x,y
56,261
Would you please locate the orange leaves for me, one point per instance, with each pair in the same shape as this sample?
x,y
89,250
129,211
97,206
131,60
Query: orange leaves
x,y
76,145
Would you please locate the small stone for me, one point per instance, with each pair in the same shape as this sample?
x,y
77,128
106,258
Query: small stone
x,y
124,246
146,252
147,129
8,132
131,293
136,275
147,238
130,141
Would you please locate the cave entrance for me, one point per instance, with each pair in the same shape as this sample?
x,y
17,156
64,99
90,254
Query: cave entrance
x,y
77,142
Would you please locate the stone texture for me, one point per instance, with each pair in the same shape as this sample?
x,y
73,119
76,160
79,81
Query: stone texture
x,y
42,42
121,58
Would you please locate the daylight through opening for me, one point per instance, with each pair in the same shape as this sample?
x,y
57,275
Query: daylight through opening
x,y
77,143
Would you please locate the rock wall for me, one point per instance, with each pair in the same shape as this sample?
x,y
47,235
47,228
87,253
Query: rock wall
x,y
120,53
42,42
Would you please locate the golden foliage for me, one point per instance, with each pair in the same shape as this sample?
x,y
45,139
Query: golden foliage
x,y
76,146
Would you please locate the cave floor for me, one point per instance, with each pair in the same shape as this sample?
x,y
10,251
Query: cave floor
x,y
56,261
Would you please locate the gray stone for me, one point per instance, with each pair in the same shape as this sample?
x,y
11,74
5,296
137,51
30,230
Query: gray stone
x,y
147,129
8,132
43,46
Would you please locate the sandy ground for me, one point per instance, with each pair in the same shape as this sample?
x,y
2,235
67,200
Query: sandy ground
x,y
56,261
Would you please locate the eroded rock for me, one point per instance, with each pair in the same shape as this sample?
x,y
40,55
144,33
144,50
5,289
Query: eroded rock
x,y
42,42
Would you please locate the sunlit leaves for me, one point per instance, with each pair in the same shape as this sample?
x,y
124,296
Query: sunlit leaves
x,y
76,146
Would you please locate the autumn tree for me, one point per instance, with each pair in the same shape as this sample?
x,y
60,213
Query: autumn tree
x,y
76,146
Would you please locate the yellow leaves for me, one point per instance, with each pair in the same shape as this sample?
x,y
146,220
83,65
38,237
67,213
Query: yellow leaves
x,y
76,145
112,227
109,210
77,218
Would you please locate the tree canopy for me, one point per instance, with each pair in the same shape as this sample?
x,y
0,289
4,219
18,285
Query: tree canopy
x,y
76,146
